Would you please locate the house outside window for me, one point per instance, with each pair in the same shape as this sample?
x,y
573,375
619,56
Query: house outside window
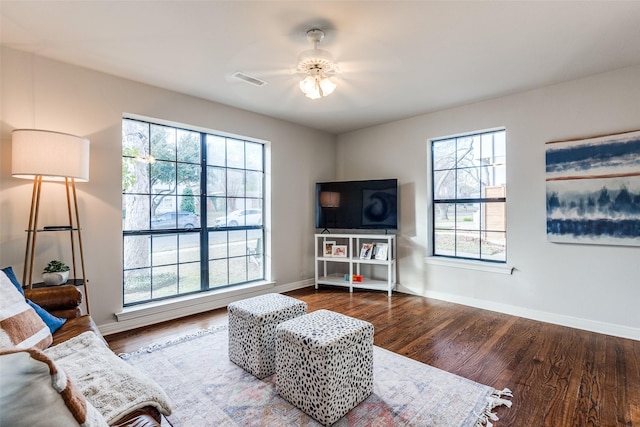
x,y
469,196
192,211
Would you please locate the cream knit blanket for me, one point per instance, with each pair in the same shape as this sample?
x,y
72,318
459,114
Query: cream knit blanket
x,y
113,387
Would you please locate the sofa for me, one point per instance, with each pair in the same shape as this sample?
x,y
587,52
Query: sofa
x,y
63,304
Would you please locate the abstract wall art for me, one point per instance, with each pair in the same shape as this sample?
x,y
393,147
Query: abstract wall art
x,y
593,190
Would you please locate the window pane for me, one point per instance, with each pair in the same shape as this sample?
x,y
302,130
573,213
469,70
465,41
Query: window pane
x,y
254,184
444,156
135,212
487,149
444,184
217,244
135,175
188,146
467,216
216,181
136,252
500,147
256,255
468,244
468,183
235,153
494,175
163,178
189,280
189,178
238,270
218,273
237,243
494,216
163,143
254,156
189,249
165,249
494,246
464,152
444,242
164,281
444,215
216,212
137,285
216,151
235,183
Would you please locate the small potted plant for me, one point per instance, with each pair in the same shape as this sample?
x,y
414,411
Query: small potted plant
x,y
55,273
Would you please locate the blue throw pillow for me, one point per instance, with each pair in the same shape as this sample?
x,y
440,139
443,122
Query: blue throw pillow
x,y
49,319
12,276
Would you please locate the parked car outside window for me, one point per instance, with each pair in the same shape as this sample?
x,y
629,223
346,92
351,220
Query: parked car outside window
x,y
240,217
186,220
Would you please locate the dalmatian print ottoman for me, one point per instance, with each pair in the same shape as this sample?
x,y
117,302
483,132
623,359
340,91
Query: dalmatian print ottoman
x,y
324,363
252,330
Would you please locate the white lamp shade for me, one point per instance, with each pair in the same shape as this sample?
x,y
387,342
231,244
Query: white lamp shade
x,y
52,155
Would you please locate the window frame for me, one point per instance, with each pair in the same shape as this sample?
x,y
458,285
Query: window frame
x,y
207,223
451,259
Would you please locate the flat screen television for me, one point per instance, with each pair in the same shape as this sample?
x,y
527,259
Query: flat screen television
x,y
359,205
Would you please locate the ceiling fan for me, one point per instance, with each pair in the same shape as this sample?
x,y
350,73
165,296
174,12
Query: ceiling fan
x,y
282,67
316,68
318,65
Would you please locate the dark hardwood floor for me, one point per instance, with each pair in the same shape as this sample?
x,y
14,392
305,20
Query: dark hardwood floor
x,y
559,376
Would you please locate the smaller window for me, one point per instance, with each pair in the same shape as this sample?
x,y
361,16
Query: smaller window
x,y
469,196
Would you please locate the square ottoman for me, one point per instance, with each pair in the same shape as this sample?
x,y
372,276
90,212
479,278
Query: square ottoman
x,y
252,330
324,363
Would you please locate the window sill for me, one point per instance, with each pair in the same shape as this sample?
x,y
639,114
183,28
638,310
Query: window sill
x,y
470,265
190,301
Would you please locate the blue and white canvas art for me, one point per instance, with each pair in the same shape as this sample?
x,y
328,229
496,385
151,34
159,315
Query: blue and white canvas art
x,y
593,190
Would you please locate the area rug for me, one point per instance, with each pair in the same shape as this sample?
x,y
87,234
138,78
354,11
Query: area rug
x,y
206,389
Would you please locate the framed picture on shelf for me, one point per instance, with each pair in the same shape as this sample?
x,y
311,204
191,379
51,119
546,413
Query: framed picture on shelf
x,y
382,250
366,251
328,248
339,251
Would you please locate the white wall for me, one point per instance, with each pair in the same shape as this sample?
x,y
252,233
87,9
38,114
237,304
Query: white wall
x,y
586,286
44,94
593,287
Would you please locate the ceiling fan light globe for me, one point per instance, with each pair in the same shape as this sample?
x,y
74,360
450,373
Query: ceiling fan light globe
x,y
327,86
309,86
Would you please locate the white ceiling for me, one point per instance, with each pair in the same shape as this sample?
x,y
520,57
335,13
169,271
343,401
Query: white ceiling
x,y
397,58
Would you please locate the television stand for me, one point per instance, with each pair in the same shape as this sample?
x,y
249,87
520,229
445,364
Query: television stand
x,y
347,267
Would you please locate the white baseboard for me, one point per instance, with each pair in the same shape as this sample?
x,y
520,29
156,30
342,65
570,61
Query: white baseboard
x,y
149,314
140,316
542,316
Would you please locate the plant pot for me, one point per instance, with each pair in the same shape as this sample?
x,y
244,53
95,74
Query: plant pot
x,y
54,279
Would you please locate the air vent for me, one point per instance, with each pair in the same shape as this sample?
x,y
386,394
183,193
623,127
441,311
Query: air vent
x,y
249,79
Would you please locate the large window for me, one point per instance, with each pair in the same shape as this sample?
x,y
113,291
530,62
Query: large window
x,y
469,196
192,213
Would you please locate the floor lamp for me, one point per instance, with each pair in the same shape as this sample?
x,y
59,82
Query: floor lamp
x,y
43,155
328,200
